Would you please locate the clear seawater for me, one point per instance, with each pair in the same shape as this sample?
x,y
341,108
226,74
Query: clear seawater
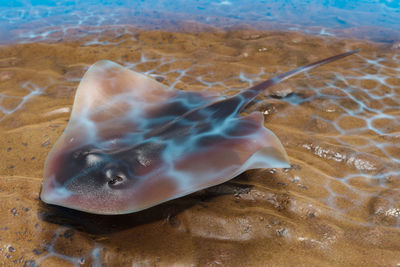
x,y
377,20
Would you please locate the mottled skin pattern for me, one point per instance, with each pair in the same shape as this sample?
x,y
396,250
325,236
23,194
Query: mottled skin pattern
x,y
133,143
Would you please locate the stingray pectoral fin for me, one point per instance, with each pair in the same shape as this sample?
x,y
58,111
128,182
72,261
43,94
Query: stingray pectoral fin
x,y
246,145
267,157
112,100
108,89
271,153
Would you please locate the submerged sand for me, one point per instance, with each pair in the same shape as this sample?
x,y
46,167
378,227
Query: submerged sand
x,y
339,203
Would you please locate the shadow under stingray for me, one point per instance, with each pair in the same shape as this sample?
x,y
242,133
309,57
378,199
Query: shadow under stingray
x,y
107,224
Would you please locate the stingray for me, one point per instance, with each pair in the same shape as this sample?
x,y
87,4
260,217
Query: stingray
x,y
132,143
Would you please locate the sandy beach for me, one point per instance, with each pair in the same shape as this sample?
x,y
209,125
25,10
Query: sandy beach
x,y
338,204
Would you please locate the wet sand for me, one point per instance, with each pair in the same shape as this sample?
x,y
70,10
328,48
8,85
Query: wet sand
x,y
339,203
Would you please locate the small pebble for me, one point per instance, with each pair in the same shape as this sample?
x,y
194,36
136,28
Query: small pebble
x,y
46,143
396,46
14,211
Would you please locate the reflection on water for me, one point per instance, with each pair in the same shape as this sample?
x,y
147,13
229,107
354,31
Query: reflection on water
x,y
32,20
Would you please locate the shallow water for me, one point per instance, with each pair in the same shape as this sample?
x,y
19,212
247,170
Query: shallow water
x,y
339,203
44,20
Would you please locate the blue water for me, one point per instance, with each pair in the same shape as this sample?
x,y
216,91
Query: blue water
x,y
377,20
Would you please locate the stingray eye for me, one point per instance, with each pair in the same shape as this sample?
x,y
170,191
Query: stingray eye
x,y
78,154
83,152
114,178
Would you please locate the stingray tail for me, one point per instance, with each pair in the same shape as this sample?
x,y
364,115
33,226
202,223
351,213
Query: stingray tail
x,y
254,91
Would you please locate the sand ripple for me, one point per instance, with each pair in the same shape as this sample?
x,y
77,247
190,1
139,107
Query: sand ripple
x,y
338,204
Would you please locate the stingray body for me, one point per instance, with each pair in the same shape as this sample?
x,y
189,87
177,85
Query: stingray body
x,y
132,143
